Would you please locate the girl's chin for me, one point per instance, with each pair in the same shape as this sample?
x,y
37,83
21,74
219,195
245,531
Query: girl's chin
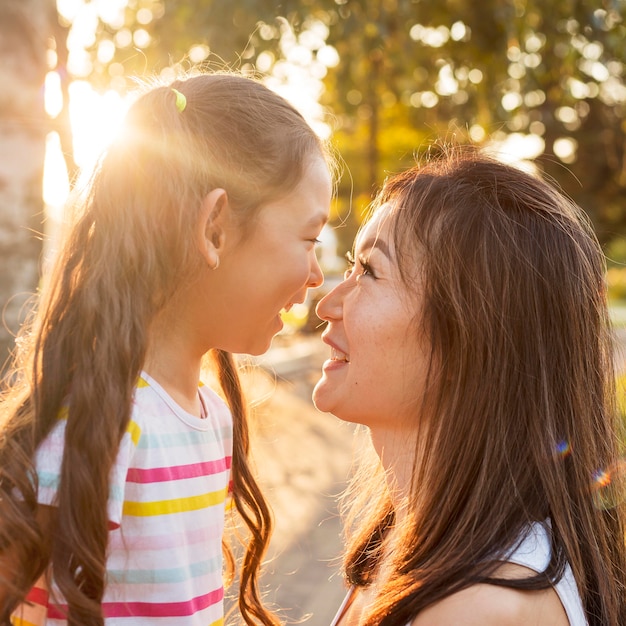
x,y
264,337
259,345
260,348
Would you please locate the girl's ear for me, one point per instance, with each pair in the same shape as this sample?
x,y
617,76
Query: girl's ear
x,y
212,226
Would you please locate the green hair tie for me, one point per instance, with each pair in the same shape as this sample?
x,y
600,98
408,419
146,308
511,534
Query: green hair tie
x,y
181,101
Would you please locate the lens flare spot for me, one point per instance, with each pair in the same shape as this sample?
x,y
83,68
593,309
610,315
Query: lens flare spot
x,y
601,479
563,449
608,486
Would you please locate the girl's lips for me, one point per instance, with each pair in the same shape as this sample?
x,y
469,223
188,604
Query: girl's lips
x,y
291,304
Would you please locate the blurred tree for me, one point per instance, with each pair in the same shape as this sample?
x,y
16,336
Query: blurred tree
x,y
547,76
550,75
541,79
580,71
25,30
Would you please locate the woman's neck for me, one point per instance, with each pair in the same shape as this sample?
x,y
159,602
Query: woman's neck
x,y
397,450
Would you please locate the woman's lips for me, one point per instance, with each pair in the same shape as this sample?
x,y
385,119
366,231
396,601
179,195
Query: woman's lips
x,y
338,358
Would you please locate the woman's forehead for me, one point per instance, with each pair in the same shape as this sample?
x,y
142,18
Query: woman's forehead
x,y
377,228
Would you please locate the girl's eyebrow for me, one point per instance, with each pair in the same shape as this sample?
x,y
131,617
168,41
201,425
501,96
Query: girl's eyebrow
x,y
316,220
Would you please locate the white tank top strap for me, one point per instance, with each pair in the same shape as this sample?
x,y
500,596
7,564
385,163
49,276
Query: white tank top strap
x,y
534,553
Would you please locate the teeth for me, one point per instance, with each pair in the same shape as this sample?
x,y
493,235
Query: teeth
x,y
335,355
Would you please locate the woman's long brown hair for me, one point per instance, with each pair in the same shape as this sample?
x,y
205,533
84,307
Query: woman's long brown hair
x,y
125,257
521,413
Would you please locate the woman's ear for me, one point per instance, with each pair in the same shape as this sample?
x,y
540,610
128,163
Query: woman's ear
x,y
212,226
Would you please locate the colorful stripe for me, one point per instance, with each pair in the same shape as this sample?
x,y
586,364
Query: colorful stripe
x,y
164,576
178,472
178,505
181,439
134,430
50,481
18,621
173,540
150,609
37,596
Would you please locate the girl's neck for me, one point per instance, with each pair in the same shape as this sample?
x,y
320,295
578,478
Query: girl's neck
x,y
176,370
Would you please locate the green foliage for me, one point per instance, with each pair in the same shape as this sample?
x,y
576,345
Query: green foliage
x,y
411,71
616,284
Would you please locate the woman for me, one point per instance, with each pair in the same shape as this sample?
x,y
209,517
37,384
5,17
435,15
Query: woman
x,y
472,338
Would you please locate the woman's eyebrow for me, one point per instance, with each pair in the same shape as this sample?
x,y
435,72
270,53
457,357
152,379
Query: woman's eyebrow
x,y
375,243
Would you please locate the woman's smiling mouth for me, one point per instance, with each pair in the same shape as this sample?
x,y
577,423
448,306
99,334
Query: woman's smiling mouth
x,y
337,355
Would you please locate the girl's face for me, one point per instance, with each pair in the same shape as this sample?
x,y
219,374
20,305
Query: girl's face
x,y
270,267
378,362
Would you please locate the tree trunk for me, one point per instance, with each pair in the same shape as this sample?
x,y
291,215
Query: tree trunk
x,y
373,97
24,39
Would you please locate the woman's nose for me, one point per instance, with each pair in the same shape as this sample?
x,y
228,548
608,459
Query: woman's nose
x,y
330,307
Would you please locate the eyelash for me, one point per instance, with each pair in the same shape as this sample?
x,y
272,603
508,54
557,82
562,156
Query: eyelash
x,y
367,268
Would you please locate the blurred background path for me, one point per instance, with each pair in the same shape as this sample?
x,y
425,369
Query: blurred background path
x,y
303,458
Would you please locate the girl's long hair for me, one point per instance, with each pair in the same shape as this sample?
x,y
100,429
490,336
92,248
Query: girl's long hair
x,y
126,255
521,423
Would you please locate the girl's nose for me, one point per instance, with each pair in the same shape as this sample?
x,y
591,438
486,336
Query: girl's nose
x,y
316,276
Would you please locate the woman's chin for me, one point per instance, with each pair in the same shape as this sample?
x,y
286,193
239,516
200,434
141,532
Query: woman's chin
x,y
320,396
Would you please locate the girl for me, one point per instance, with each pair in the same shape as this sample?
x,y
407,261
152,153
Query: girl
x,y
199,226
472,338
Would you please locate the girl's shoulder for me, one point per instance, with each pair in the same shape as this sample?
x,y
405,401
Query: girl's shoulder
x,y
491,605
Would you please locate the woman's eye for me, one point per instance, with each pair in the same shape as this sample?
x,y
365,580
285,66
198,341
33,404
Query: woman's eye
x,y
365,267
350,261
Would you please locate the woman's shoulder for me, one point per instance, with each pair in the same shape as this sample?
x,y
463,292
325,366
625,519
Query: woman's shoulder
x,y
491,605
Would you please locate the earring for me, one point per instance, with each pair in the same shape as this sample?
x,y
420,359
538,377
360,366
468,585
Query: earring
x,y
217,263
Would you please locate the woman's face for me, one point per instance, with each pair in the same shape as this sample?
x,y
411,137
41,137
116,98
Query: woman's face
x,y
378,363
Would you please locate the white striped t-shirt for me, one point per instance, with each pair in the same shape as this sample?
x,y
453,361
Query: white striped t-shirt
x,y
168,491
